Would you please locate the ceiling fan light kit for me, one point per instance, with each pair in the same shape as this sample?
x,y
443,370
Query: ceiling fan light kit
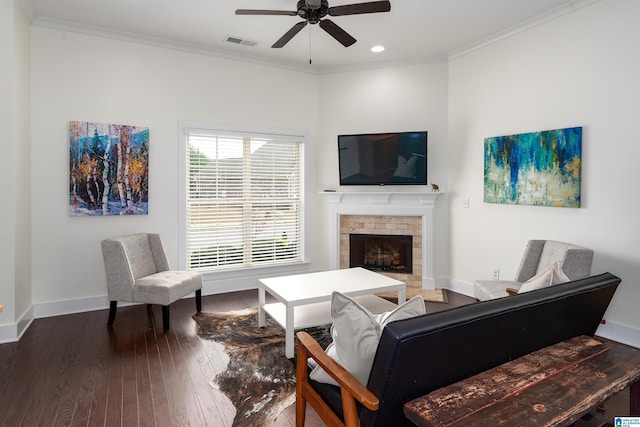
x,y
313,12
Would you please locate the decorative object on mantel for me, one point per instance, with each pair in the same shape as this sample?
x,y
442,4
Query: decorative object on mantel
x,y
108,169
434,187
538,168
258,374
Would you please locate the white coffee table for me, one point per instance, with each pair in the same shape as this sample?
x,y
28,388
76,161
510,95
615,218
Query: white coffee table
x,y
304,300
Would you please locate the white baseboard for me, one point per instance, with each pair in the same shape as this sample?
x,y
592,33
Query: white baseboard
x,y
13,331
211,287
8,333
221,284
458,286
620,333
79,305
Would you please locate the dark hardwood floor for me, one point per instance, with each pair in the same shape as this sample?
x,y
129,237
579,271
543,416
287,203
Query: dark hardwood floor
x,y
74,371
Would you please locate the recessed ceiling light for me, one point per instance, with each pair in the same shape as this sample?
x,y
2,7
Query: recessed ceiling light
x,y
377,49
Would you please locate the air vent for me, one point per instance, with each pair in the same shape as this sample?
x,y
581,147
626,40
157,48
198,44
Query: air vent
x,y
240,40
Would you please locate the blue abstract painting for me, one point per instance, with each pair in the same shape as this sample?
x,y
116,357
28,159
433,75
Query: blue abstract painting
x,y
537,168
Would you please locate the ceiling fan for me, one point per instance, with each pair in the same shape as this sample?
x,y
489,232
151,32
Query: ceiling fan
x,y
312,11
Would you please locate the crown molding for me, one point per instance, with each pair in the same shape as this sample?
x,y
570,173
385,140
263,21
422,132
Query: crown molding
x,y
366,66
91,30
27,9
164,43
569,7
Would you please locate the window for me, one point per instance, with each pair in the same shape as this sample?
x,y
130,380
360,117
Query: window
x,y
244,200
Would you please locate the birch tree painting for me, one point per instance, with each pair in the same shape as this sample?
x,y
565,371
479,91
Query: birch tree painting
x,y
108,169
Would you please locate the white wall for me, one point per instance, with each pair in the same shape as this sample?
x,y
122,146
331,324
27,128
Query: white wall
x,y
7,145
81,77
580,70
22,172
401,98
15,224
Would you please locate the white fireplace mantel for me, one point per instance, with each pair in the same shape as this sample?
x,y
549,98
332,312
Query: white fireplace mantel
x,y
383,197
414,203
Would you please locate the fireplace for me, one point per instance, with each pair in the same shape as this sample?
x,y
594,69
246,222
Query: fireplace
x,y
389,213
383,227
381,252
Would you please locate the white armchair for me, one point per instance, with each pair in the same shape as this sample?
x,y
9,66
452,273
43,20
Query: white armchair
x,y
575,262
138,271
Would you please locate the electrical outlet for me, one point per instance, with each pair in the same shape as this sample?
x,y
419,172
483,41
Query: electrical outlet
x,y
495,274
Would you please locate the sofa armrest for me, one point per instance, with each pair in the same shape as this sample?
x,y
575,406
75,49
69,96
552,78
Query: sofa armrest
x,y
351,389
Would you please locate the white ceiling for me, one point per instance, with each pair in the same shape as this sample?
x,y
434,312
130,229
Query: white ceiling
x,y
413,31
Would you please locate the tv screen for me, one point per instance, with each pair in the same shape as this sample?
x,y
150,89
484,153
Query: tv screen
x,y
398,158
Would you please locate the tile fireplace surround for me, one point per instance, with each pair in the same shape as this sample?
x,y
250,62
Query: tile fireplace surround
x,y
393,213
385,225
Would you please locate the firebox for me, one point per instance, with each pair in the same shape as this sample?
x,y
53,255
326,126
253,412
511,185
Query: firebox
x,y
381,252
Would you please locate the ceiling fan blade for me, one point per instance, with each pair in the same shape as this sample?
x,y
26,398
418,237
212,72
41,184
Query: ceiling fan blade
x,y
289,34
357,8
337,33
265,12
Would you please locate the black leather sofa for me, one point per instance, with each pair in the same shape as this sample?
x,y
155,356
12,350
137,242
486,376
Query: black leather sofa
x,y
418,355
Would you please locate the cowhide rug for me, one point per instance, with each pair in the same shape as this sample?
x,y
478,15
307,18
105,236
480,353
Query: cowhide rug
x,y
259,380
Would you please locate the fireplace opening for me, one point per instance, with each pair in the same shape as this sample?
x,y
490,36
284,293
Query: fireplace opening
x,y
381,252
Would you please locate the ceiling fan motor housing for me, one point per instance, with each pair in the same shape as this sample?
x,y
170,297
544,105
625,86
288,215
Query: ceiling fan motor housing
x,y
311,12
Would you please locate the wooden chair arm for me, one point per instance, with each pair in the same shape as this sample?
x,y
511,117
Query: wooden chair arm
x,y
348,383
512,291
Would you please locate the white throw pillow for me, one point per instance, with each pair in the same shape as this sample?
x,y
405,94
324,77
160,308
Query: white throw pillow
x,y
356,333
551,275
406,168
413,307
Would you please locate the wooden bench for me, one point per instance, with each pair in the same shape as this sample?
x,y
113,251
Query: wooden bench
x,y
554,386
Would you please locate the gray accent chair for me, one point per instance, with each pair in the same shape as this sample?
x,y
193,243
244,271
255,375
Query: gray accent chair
x,y
575,262
138,271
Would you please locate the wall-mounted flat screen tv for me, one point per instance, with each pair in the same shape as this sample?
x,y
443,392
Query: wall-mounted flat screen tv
x,y
395,158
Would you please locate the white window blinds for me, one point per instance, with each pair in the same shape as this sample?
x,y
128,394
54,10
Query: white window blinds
x,y
244,204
